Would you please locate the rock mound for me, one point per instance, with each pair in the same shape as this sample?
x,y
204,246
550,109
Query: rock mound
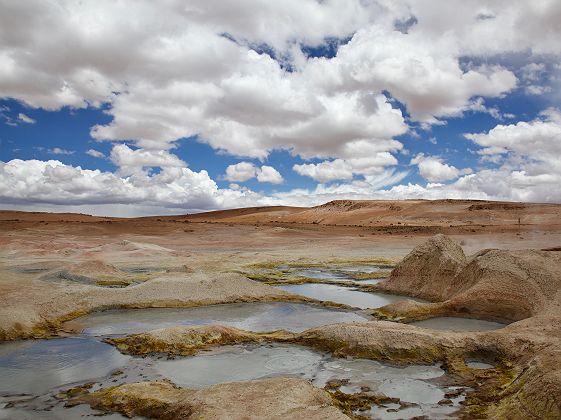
x,y
510,285
93,268
259,399
87,272
429,270
184,340
494,284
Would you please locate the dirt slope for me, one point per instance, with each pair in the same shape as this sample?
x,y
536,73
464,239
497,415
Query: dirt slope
x,y
405,212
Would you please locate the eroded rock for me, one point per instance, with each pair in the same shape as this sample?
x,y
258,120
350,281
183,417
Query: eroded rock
x,y
494,284
429,270
188,340
276,398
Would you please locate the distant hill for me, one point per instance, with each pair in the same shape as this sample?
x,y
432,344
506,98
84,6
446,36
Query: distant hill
x,y
350,213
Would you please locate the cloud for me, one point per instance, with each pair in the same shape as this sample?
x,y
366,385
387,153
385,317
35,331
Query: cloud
x,y
325,171
192,70
244,171
505,27
269,174
536,78
533,71
539,139
433,169
426,75
537,89
137,161
25,119
362,159
241,79
54,183
60,151
240,172
95,153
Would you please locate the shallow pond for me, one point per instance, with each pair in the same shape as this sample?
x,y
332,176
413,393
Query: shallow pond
x,y
43,410
34,367
257,317
365,268
476,364
321,274
331,274
41,368
369,281
245,362
458,324
341,294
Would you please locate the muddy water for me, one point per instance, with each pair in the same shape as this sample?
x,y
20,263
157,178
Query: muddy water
x,y
476,364
244,362
322,274
370,281
335,274
35,367
458,324
412,384
341,294
43,367
365,268
256,317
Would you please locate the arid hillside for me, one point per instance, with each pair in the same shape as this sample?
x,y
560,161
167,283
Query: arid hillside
x,y
354,213
405,213
425,217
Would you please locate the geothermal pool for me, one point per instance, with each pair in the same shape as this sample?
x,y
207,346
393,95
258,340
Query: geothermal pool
x,y
61,363
342,294
257,317
412,384
335,274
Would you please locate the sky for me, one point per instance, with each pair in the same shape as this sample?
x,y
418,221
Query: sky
x,y
130,108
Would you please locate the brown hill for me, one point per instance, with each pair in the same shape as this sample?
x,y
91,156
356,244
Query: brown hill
x,y
393,212
401,215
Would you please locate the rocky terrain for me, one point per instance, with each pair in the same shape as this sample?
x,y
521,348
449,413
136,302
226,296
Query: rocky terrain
x,y
499,261
526,379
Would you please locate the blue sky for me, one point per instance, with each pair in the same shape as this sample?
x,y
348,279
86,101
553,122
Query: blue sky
x,y
134,109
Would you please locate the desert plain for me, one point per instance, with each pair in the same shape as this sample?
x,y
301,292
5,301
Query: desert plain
x,y
497,262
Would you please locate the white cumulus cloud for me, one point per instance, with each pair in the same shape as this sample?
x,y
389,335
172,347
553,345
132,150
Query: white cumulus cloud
x,y
95,153
269,174
433,169
244,171
240,172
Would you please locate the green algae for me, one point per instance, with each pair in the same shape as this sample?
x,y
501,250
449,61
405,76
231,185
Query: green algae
x,y
367,276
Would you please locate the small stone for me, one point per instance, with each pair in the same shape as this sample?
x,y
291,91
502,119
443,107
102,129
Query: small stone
x,y
405,404
453,394
336,383
445,401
